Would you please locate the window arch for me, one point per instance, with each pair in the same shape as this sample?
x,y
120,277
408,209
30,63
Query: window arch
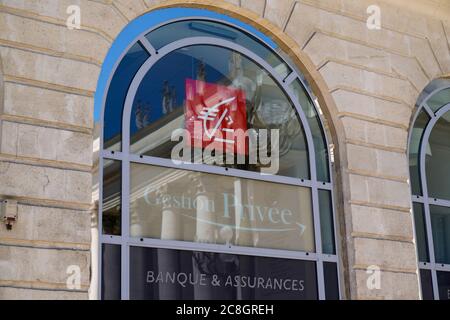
x,y
429,158
213,214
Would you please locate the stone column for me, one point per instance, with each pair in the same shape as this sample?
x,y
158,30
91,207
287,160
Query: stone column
x,y
168,260
170,222
136,221
205,233
243,193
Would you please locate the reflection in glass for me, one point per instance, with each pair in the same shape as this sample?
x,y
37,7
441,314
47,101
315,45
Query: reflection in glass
x,y
414,151
165,274
182,205
330,275
427,284
326,222
438,160
111,270
320,147
443,279
112,202
439,99
160,104
421,233
440,223
200,28
117,91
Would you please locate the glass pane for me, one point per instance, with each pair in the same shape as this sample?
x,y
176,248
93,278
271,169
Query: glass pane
x,y
427,285
198,28
163,274
184,85
414,151
438,160
421,233
112,201
443,279
326,222
313,119
439,99
440,223
331,281
199,207
117,92
111,266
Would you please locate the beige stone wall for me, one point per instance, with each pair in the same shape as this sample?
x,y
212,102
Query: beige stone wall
x,y
367,83
374,79
46,148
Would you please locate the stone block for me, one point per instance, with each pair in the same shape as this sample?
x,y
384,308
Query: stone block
x,y
308,15
412,69
379,191
48,105
318,50
53,37
377,161
42,265
10,293
233,2
45,183
381,221
421,48
277,11
53,70
151,3
257,6
130,8
96,15
385,253
360,104
50,225
393,285
78,186
46,143
375,133
337,74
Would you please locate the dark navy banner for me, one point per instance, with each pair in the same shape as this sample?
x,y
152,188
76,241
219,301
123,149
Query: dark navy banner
x,y
176,274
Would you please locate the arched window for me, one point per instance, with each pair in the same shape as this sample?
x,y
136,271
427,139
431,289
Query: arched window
x,y
216,179
429,159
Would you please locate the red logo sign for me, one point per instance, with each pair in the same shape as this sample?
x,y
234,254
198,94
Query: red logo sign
x,y
216,114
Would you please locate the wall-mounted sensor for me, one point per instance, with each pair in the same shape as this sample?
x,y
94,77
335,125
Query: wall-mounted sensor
x,y
8,212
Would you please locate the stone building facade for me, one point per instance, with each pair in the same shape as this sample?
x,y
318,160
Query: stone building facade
x,y
367,82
